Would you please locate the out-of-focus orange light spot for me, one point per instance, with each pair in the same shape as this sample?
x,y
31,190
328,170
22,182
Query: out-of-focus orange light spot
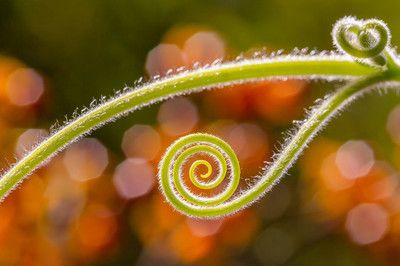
x,y
203,47
279,101
334,204
286,90
28,139
336,194
188,247
179,34
202,228
133,178
314,156
178,116
11,250
354,159
164,218
244,225
96,229
40,250
86,159
395,221
7,214
32,210
24,87
7,67
231,102
367,223
378,185
103,190
163,58
141,141
183,48
331,176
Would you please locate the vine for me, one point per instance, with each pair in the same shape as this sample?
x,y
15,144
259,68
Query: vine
x,y
364,57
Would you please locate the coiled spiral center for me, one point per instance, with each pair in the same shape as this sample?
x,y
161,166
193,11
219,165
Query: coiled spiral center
x,y
182,152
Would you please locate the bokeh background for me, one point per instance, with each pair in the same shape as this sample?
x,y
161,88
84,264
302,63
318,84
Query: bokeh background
x,y
98,203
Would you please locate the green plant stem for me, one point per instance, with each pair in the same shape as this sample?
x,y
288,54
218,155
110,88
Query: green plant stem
x,y
317,119
183,83
315,122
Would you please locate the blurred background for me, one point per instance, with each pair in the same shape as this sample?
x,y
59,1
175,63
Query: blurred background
x,y
98,203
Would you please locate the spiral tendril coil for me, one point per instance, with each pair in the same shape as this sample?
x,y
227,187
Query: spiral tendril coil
x,y
178,154
367,41
362,39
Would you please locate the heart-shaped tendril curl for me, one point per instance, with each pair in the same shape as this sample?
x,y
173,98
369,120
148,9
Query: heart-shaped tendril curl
x,y
362,39
178,155
366,41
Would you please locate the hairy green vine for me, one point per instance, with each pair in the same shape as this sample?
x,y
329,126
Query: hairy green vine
x,y
365,58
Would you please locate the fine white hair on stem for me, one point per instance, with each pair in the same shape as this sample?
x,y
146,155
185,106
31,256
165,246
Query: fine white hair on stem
x,y
365,59
287,154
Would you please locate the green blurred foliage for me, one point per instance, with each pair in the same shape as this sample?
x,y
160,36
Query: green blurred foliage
x,y
93,47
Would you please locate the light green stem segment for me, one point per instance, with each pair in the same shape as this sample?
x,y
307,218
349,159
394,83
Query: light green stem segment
x,y
184,83
170,167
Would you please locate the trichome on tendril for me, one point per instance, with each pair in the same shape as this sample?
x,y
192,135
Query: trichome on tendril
x,y
364,58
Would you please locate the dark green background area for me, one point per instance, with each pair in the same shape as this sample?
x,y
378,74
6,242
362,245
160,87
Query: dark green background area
x,y
88,48
93,47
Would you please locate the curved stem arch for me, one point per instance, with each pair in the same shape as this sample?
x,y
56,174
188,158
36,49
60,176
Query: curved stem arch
x,y
319,116
368,59
329,67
